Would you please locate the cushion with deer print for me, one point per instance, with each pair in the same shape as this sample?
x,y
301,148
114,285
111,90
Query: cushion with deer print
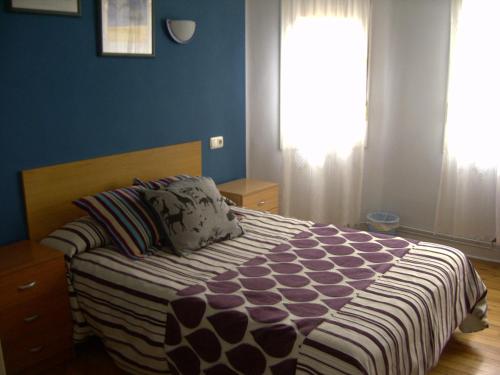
x,y
193,214
162,183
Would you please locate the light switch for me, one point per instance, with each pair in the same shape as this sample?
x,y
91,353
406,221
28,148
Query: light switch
x,y
216,142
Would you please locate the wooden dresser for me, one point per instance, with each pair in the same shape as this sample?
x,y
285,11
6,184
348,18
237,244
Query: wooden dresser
x,y
35,320
253,194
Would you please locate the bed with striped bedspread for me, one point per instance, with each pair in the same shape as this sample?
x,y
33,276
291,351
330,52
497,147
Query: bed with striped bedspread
x,y
125,301
398,325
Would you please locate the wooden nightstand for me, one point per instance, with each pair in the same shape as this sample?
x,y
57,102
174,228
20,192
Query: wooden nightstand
x,y
35,320
253,194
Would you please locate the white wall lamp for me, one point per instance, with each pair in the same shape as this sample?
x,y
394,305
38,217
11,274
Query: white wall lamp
x,y
181,31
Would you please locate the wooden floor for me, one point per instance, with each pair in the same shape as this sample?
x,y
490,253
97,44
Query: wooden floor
x,y
465,354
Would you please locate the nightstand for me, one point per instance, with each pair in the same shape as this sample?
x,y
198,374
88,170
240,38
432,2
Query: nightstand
x,y
253,194
35,321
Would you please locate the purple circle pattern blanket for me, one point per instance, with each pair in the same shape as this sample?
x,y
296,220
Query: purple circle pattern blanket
x,y
253,319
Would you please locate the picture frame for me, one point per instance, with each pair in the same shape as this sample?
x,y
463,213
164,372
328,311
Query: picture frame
x,y
50,7
126,28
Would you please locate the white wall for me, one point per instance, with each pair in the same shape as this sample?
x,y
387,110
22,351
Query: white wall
x,y
262,64
407,104
382,81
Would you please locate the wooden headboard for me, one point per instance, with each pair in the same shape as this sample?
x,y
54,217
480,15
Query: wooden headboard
x,y
50,191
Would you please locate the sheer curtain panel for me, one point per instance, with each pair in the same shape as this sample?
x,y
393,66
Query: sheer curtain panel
x,y
323,91
469,198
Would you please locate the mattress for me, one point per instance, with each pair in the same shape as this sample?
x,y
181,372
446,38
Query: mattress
x,y
396,318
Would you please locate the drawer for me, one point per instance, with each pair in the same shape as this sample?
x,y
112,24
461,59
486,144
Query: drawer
x,y
30,351
35,317
32,283
236,198
265,200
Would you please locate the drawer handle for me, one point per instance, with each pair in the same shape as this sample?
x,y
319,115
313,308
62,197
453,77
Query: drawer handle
x,y
27,286
30,319
261,203
36,349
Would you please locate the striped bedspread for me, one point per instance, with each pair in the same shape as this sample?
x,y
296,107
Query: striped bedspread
x,y
398,325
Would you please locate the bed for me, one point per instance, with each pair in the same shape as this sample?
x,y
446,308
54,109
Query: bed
x,y
289,296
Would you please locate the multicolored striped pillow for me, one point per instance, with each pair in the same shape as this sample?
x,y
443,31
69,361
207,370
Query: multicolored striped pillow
x,y
129,221
78,236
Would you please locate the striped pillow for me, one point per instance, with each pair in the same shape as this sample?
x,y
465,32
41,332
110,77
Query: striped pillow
x,y
78,236
129,221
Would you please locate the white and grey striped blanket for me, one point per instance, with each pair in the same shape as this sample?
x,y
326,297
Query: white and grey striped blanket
x,y
398,325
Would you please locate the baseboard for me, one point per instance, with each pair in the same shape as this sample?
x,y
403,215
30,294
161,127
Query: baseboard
x,y
473,249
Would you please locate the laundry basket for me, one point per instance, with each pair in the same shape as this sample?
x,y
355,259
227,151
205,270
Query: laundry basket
x,y
382,222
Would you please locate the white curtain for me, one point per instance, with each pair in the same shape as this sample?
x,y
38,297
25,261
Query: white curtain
x,y
323,91
469,198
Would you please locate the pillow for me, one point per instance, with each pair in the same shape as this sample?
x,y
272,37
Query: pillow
x,y
162,183
78,236
193,214
129,221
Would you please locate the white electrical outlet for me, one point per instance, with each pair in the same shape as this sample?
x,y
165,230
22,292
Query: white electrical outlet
x,y
216,142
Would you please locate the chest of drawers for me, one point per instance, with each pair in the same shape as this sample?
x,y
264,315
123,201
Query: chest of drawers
x,y
35,321
254,194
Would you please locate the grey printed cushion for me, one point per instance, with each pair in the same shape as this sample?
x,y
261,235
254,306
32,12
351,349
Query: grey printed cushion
x,y
162,183
78,236
193,214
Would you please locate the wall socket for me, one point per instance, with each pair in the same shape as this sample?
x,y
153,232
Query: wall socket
x,y
216,142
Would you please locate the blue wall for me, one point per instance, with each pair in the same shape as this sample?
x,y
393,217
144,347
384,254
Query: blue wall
x,y
60,102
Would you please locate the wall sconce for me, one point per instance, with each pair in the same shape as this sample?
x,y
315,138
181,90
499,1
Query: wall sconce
x,y
181,31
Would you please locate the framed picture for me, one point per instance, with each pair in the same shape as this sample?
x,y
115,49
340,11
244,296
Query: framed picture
x,y
126,28
58,7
